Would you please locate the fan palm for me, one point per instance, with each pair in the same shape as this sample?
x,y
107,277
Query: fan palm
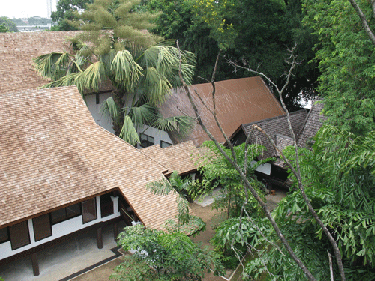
x,y
141,72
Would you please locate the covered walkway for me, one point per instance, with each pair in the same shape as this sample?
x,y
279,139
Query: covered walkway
x,y
66,260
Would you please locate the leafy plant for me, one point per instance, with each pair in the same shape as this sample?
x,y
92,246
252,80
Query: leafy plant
x,y
163,256
217,171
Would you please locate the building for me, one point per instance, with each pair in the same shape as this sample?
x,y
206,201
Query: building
x,y
61,173
238,101
304,124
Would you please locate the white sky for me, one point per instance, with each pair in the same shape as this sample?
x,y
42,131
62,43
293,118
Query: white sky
x,y
24,8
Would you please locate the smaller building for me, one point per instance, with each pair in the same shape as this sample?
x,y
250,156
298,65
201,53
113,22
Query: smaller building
x,y
304,124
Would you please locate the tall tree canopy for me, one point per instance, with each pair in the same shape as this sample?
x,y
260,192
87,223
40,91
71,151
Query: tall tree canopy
x,y
116,48
65,12
346,59
256,31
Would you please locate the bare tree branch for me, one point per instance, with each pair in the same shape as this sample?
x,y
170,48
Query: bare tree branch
x,y
296,171
363,19
244,179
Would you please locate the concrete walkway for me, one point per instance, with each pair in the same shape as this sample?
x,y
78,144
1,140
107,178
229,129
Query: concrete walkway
x,y
207,200
63,261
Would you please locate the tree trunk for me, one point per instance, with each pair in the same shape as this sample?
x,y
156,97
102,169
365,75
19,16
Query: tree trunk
x,y
117,123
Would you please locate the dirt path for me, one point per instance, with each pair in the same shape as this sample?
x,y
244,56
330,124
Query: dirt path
x,y
211,218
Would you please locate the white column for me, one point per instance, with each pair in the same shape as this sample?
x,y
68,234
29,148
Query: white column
x,y
115,204
31,230
98,214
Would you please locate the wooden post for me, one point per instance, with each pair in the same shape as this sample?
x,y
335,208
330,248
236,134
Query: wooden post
x,y
115,230
99,238
34,263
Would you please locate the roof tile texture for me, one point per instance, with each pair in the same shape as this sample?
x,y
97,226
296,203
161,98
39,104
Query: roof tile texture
x,y
179,157
278,129
17,51
313,123
238,101
53,154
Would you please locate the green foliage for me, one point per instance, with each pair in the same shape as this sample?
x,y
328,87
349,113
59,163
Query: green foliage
x,y
233,237
7,25
181,186
3,28
339,180
65,12
346,60
256,31
163,256
139,71
218,171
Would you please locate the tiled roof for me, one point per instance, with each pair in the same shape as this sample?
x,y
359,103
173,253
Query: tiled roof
x,y
238,101
278,129
17,51
179,157
313,123
52,154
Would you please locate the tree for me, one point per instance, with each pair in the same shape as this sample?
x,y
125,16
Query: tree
x,y
217,171
162,256
65,12
258,33
3,28
346,58
117,49
7,25
242,170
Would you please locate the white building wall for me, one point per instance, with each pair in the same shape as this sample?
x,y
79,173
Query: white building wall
x,y
158,135
95,109
264,168
104,121
60,229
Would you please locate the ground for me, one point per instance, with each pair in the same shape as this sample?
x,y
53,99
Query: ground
x,y
206,213
210,217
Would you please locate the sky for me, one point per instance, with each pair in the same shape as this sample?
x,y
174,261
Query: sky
x,y
24,8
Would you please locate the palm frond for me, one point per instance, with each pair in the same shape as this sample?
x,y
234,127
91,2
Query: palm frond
x,y
128,132
180,124
91,77
143,114
52,65
165,59
157,86
110,108
67,80
125,70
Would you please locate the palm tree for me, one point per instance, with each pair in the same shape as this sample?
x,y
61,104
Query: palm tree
x,y
115,49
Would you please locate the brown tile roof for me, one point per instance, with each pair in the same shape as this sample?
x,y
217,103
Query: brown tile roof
x,y
313,123
238,101
17,51
53,154
278,129
179,157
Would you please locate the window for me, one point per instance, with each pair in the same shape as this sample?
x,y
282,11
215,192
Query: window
x,y
66,213
89,210
42,227
106,205
164,144
146,140
19,235
4,234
